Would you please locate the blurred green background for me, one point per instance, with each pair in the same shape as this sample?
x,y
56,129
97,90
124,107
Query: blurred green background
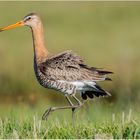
x,y
104,34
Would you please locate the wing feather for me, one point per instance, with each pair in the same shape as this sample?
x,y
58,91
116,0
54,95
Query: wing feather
x,y
70,67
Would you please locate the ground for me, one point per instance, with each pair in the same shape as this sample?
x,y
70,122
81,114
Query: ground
x,y
94,120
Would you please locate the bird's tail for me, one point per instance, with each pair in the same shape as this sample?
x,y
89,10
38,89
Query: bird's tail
x,y
97,91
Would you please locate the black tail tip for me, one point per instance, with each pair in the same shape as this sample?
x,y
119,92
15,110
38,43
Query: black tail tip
x,y
108,79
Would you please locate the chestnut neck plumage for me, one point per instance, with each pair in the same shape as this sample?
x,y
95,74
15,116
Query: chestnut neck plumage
x,y
40,52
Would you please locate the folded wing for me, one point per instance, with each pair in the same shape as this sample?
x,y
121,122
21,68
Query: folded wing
x,y
68,66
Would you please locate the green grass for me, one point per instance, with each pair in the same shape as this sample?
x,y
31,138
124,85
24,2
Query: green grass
x,y
94,120
34,128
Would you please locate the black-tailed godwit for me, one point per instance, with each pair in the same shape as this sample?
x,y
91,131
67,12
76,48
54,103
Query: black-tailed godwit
x,y
65,72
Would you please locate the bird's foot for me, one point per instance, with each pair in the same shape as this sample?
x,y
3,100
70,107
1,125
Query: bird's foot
x,y
73,109
46,114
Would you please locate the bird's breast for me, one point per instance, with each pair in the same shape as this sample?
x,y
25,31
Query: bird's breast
x,y
41,78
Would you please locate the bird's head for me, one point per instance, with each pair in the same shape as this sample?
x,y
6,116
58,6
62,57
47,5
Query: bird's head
x,y
30,20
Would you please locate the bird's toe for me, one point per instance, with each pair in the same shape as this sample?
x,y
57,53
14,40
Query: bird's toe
x,y
46,114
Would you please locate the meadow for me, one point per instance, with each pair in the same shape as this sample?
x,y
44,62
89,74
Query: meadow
x,y
105,35
91,121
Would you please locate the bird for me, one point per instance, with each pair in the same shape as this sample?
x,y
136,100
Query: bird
x,y
65,72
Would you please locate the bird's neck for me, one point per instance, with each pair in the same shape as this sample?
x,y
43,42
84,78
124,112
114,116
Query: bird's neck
x,y
40,52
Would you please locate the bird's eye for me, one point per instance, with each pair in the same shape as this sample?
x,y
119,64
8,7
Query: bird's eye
x,y
29,18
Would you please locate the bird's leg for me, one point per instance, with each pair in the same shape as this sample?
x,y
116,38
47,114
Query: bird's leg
x,y
51,109
73,109
69,101
78,101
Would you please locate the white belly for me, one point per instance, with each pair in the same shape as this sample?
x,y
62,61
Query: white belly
x,y
81,85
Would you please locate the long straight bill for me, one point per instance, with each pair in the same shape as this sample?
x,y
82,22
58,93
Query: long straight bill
x,y
18,24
